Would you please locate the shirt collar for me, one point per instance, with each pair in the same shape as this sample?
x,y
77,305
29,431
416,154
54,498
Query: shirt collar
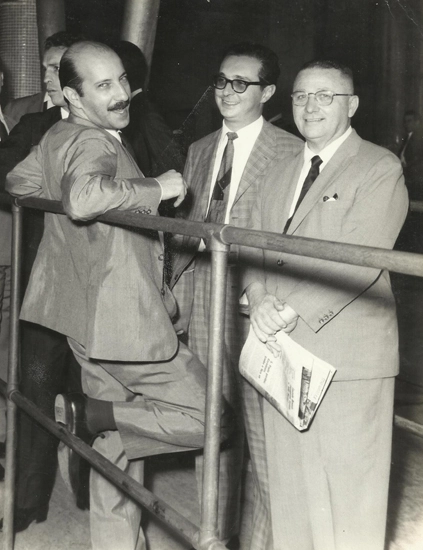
x,y
327,153
115,134
251,131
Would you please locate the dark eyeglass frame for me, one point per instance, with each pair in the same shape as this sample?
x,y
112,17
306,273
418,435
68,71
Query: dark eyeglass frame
x,y
316,95
245,83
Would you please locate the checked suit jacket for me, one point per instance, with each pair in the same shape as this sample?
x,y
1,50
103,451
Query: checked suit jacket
x,y
271,144
191,287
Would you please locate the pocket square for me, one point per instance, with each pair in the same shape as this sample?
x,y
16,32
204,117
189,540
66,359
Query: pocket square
x,y
328,199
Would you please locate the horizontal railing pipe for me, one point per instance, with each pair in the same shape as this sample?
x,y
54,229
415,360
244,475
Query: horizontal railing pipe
x,y
379,258
416,206
407,263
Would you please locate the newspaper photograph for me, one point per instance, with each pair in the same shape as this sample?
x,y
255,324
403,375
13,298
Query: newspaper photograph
x,y
294,382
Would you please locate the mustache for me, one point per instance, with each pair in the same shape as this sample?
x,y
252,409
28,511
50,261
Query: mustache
x,y
119,105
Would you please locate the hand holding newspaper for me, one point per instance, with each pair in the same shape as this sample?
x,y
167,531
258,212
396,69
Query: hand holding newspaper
x,y
294,382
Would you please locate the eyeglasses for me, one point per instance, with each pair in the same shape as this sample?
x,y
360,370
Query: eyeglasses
x,y
322,98
238,86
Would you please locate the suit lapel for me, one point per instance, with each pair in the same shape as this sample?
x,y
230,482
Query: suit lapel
x,y
332,172
262,153
285,193
202,180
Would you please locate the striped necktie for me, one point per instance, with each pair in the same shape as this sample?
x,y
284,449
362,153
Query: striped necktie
x,y
219,201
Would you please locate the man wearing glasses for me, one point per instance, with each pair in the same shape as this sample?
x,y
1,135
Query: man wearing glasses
x,y
329,485
223,171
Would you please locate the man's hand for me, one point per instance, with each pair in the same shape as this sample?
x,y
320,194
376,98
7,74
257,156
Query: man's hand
x,y
268,315
173,185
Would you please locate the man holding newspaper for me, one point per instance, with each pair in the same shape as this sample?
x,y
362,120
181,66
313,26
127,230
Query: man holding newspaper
x,y
328,481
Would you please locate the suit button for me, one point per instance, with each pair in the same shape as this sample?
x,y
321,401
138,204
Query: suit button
x,y
161,257
280,262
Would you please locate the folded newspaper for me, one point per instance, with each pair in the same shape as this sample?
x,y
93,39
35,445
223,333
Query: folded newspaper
x,y
294,382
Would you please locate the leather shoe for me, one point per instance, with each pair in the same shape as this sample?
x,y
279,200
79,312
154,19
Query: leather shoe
x,y
70,410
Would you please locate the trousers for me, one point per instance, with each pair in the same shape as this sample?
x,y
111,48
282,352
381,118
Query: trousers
x,y
158,408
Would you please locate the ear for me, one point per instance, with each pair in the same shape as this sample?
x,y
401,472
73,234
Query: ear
x,y
267,93
72,96
353,105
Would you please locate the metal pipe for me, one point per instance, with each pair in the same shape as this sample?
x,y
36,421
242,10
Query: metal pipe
x,y
379,258
408,425
140,24
209,504
167,514
12,380
416,206
367,256
50,19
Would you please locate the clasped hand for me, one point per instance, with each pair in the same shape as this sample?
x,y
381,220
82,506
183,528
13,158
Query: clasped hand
x,y
268,315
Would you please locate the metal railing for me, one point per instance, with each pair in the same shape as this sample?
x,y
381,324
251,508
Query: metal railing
x,y
219,237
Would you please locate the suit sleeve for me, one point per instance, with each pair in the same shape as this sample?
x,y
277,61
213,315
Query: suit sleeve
x,y
91,187
374,219
26,178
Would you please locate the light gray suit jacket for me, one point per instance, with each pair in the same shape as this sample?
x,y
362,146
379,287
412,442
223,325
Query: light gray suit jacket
x,y
99,284
347,313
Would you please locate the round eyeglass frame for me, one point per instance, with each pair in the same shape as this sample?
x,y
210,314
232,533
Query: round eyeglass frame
x,y
319,96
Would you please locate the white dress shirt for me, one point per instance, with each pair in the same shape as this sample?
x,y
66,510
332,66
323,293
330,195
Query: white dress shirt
x,y
243,146
325,154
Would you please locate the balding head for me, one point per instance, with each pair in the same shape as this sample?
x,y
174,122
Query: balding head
x,y
94,83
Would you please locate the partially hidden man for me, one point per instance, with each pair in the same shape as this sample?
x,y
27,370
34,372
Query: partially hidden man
x,y
224,171
328,486
102,286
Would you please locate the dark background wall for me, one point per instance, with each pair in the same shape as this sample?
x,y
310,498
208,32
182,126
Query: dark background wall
x,y
380,40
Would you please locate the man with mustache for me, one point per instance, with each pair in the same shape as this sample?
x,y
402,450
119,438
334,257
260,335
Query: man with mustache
x,y
102,286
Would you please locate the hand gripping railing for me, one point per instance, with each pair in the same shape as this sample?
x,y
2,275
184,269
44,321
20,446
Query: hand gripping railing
x,y
219,238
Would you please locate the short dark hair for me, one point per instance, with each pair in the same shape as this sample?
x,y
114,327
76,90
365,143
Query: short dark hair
x,y
62,39
330,64
68,74
269,71
134,62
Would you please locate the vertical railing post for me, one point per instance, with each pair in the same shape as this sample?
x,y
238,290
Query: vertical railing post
x,y
209,503
12,378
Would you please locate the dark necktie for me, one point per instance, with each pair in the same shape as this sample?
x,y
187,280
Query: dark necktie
x,y
314,171
219,200
3,131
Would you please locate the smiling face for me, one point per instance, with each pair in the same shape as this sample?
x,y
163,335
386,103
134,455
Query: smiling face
x,y
51,63
105,89
239,110
320,125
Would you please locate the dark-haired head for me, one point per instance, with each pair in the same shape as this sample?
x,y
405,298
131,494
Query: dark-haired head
x,y
134,62
62,39
270,70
